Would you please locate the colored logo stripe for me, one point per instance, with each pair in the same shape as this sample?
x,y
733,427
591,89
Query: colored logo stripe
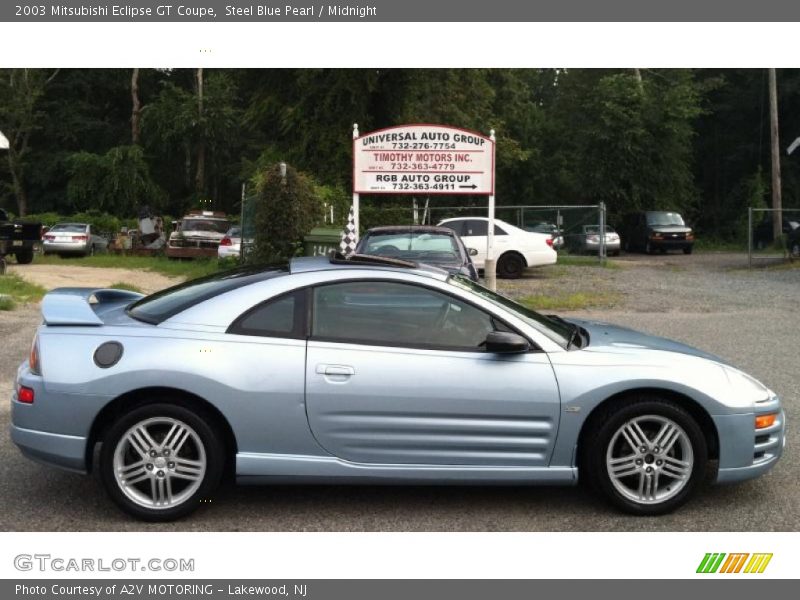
x,y
713,562
758,563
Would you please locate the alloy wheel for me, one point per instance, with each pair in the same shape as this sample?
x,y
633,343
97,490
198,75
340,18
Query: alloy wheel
x,y
159,463
649,459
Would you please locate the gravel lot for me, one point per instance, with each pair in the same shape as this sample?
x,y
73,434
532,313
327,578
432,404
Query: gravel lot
x,y
706,300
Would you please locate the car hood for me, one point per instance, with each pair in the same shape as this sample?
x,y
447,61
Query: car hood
x,y
608,337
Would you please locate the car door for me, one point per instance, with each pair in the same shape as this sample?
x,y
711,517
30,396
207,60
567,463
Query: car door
x,y
395,375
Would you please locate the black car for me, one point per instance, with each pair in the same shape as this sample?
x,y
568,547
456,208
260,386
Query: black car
x,y
763,232
438,246
656,231
19,238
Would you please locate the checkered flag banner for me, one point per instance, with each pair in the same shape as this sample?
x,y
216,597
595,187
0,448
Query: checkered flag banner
x,y
349,239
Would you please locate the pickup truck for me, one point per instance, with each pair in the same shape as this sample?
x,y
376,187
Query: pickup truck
x,y
18,238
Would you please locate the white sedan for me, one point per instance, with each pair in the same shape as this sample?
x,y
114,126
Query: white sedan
x,y
514,248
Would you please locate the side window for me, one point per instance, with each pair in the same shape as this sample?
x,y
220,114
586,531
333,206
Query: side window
x,y
498,231
457,226
475,227
282,317
396,314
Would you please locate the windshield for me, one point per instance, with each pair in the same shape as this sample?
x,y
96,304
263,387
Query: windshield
x,y
424,247
556,330
211,225
162,305
664,218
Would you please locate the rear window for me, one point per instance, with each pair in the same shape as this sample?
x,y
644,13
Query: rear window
x,y
69,227
162,305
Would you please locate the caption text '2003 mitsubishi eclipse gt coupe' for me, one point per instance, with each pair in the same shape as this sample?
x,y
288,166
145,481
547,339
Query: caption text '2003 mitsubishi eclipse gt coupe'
x,y
370,370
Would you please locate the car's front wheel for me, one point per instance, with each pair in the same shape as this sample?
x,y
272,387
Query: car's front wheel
x,y
646,455
159,461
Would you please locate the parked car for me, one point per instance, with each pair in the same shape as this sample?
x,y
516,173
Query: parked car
x,y
763,231
230,246
656,231
556,234
19,238
70,239
374,370
438,246
588,240
515,248
793,242
198,235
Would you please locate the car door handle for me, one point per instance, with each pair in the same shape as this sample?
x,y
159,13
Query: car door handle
x,y
335,370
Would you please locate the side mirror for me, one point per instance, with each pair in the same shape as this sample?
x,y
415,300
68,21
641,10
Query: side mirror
x,y
472,252
504,342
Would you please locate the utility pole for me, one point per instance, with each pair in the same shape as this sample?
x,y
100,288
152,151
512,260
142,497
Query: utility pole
x,y
777,218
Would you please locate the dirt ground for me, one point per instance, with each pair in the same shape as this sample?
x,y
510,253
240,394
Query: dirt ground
x,y
54,276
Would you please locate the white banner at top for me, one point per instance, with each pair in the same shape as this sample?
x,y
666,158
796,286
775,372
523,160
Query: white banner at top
x,y
423,159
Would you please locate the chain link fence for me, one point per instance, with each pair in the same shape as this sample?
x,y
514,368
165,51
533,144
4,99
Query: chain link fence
x,y
762,245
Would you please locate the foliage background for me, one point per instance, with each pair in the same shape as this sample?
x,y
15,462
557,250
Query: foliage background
x,y
695,140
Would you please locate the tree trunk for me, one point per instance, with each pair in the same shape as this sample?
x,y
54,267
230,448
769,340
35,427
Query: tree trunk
x,y
777,219
15,167
200,174
136,113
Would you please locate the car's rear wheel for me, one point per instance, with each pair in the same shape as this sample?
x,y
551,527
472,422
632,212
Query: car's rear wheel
x,y
510,266
160,460
795,250
647,456
648,248
687,250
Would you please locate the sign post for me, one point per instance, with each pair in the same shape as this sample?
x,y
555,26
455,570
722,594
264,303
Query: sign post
x,y
356,198
430,160
490,265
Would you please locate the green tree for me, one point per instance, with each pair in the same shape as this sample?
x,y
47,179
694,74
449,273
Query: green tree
x,y
287,209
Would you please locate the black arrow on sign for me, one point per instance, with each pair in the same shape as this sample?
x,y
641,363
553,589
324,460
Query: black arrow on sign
x,y
473,186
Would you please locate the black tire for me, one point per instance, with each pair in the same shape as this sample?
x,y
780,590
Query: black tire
x,y
206,432
795,250
648,248
687,250
89,251
510,266
2,265
595,445
24,257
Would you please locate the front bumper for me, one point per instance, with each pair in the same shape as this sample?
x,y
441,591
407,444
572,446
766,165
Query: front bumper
x,y
190,252
746,452
670,244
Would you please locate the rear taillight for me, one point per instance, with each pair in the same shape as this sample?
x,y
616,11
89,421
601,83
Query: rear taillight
x,y
34,359
50,237
25,395
549,242
226,241
79,238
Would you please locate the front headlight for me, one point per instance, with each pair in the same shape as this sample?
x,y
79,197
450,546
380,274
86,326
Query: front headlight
x,y
747,388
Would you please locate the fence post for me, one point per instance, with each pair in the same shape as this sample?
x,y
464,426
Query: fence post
x,y
601,252
749,237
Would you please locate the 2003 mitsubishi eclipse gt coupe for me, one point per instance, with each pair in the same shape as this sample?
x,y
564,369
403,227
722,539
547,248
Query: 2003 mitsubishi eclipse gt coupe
x,y
371,370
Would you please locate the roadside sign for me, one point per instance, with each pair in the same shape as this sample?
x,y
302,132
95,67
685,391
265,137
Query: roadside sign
x,y
423,159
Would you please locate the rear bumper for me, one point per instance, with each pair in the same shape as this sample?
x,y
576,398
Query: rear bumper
x,y
57,450
65,247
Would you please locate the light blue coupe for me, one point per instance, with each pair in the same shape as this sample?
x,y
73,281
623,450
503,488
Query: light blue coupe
x,y
372,371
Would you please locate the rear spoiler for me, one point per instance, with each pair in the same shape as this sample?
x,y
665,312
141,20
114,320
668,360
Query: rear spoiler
x,y
73,306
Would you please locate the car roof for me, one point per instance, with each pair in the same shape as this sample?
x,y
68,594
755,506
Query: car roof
x,y
411,229
307,264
